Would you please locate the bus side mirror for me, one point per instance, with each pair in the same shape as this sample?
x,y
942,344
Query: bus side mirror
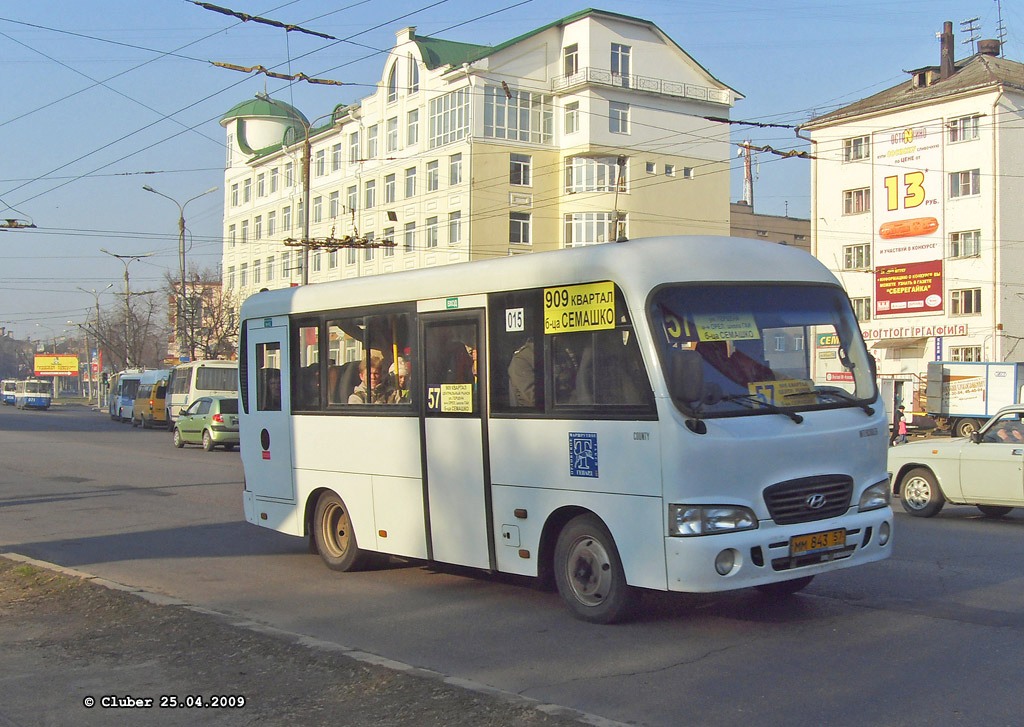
x,y
687,376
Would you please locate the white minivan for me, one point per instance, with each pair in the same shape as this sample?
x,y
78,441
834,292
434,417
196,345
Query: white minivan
x,y
191,380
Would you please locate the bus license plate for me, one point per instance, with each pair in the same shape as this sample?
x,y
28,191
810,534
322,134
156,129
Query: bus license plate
x,y
827,540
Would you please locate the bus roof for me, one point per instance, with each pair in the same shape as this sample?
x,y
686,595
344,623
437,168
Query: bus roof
x,y
635,265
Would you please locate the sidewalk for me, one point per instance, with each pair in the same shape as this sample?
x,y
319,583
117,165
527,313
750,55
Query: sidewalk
x,y
68,640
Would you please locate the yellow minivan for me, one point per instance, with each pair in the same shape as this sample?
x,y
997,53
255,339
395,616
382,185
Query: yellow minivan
x,y
150,407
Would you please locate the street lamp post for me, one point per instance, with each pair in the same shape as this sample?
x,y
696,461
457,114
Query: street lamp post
x,y
53,332
307,154
127,260
182,293
96,336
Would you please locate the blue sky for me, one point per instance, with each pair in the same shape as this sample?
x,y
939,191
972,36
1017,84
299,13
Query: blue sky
x,y
101,98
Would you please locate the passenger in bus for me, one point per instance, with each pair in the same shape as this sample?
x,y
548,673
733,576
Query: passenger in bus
x,y
522,379
378,392
398,382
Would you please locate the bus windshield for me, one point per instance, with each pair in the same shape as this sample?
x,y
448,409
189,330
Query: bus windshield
x,y
735,350
37,387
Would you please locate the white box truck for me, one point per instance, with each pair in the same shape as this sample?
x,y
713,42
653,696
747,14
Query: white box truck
x,y
962,396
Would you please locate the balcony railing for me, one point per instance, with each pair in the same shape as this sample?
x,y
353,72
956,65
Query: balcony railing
x,y
647,84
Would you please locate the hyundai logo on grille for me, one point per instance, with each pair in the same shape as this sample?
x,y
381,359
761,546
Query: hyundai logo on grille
x,y
815,501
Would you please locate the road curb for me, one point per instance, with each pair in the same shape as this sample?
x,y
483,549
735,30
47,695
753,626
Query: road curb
x,y
310,642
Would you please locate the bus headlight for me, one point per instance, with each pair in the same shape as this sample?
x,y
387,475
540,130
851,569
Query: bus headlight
x,y
874,497
690,520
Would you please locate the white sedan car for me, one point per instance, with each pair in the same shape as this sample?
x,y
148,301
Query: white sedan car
x,y
985,470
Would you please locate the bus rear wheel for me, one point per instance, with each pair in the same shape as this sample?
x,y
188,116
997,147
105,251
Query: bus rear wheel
x,y
589,573
334,536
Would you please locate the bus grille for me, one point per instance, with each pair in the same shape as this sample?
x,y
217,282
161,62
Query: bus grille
x,y
808,498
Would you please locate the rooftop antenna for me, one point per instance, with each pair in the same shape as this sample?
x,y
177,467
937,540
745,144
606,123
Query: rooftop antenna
x,y
1000,28
968,26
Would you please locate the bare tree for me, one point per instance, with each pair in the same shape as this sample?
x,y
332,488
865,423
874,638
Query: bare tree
x,y
208,329
134,335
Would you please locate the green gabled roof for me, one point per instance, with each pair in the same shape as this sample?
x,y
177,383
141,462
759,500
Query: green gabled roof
x,y
437,52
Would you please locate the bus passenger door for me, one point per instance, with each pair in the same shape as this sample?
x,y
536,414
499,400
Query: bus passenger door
x,y
457,488
266,430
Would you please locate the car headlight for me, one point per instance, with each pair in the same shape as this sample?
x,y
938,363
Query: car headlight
x,y
874,497
690,520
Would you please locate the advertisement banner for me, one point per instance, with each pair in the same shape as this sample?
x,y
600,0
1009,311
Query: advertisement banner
x,y
49,364
907,210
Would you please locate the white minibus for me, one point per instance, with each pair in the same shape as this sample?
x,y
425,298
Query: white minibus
x,y
645,415
193,379
123,387
33,394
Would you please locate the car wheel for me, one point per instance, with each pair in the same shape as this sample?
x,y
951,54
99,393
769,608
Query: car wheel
x,y
784,588
965,427
147,423
207,440
135,422
334,537
994,510
920,493
589,573
178,441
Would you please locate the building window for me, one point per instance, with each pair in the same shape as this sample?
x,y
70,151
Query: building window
x,y
231,235
965,244
589,228
433,176
231,276
352,198
965,354
592,174
393,83
353,147
332,260
246,190
372,135
618,117
670,170
234,195
964,128
620,61
389,237
965,184
455,227
965,302
651,167
571,59
409,236
275,179
245,231
257,227
856,257
391,135
334,205
431,232
316,262
369,249
318,209
286,218
687,172
389,189
289,174
261,185
243,275
336,158
257,271
455,169
351,256
861,308
856,201
856,148
519,169
271,224
572,117
230,151
410,182
270,268
449,118
413,84
519,228
780,344
523,117
320,163
412,127
371,194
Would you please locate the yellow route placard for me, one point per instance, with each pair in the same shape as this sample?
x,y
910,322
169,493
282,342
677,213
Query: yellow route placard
x,y
589,307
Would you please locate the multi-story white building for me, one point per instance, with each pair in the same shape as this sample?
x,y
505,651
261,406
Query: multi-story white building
x,y
466,152
917,207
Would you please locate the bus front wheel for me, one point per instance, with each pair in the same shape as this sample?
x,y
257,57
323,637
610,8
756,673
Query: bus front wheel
x,y
589,573
334,537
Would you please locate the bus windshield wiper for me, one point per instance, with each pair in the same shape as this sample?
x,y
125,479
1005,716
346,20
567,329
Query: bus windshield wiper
x,y
845,396
755,402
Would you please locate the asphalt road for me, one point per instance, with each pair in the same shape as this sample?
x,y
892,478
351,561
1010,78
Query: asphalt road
x,y
934,635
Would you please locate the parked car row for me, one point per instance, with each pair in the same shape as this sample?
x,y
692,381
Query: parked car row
x,y
197,401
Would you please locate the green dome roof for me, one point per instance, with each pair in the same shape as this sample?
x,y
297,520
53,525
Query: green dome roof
x,y
260,107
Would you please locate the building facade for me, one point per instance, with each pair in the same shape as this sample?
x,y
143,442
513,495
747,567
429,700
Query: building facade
x,y
591,127
780,229
916,206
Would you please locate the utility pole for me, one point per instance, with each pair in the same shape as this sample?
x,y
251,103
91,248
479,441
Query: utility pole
x,y
127,260
184,340
96,335
748,174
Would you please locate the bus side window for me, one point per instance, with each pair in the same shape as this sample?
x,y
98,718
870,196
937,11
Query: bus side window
x,y
268,380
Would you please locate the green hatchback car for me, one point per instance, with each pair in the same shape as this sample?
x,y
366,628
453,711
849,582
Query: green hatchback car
x,y
211,421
